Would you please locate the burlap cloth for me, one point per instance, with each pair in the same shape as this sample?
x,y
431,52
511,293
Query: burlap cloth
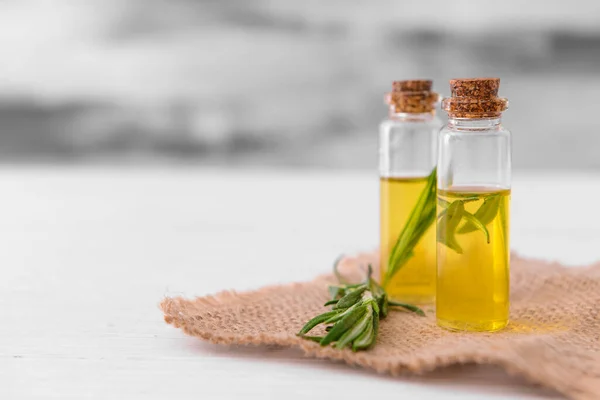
x,y
553,338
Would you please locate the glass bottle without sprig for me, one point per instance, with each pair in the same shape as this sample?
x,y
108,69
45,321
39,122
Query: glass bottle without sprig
x,y
473,209
407,157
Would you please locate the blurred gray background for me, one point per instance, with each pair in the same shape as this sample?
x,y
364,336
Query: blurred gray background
x,y
283,83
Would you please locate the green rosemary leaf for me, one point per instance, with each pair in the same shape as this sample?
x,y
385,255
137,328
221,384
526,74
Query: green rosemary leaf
x,y
380,299
317,320
488,210
375,288
375,305
420,218
350,298
337,292
445,203
486,213
409,307
341,315
424,225
448,223
313,338
375,326
330,302
383,308
425,222
406,257
402,244
358,328
367,337
471,219
343,325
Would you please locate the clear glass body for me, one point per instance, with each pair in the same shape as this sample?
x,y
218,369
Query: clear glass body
x,y
473,220
408,147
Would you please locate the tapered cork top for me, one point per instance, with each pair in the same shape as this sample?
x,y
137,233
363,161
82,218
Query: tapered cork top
x,y
474,98
413,96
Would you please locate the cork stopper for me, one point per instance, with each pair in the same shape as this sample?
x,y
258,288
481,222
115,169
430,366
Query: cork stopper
x,y
474,98
412,86
413,96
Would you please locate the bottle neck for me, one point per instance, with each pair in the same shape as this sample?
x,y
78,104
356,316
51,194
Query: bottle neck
x,y
410,117
473,124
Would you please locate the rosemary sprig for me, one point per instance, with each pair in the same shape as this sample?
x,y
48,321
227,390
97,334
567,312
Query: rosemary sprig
x,y
354,318
421,218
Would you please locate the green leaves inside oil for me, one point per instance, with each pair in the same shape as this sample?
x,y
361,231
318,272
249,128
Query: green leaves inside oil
x,y
448,222
485,214
421,218
453,213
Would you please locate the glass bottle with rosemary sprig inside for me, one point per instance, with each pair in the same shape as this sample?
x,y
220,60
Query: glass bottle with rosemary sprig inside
x,y
407,158
473,189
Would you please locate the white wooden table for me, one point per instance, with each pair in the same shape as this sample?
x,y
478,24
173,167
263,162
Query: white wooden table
x,y
87,253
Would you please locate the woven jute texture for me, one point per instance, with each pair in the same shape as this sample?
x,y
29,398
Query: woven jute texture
x,y
553,338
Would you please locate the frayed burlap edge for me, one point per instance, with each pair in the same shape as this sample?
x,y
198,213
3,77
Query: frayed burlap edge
x,y
555,342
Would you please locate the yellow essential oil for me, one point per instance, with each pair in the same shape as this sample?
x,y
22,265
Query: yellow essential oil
x,y
415,281
472,271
